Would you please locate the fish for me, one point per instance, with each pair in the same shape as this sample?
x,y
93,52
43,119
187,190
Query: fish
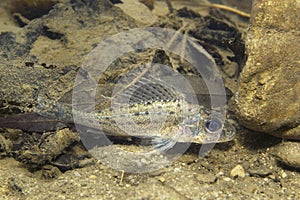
x,y
150,111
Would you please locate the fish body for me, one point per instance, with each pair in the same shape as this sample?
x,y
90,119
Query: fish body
x,y
150,101
166,119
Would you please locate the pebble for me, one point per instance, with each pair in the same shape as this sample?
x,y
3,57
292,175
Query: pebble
x,y
177,169
162,179
77,174
287,153
227,179
221,173
206,178
260,172
238,171
231,69
157,172
284,175
92,176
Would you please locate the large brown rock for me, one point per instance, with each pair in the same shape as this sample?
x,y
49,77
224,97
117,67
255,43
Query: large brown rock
x,y
268,99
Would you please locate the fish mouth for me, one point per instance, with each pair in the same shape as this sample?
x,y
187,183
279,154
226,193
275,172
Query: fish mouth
x,y
228,132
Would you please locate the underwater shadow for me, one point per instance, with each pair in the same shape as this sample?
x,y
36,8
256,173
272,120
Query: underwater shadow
x,y
253,140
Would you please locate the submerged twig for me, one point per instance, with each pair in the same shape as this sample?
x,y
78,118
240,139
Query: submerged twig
x,y
122,177
215,5
170,6
228,8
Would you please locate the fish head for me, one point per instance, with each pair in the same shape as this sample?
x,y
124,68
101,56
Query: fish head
x,y
203,129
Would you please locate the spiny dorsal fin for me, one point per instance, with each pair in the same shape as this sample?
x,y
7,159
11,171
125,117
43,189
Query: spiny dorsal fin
x,y
147,88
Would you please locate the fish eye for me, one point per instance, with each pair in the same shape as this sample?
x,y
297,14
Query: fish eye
x,y
213,125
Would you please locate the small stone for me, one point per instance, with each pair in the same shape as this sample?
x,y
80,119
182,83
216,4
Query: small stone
x,y
162,179
275,178
177,169
287,153
260,172
237,171
221,173
157,172
231,69
49,171
227,179
272,176
284,175
77,174
92,176
206,178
